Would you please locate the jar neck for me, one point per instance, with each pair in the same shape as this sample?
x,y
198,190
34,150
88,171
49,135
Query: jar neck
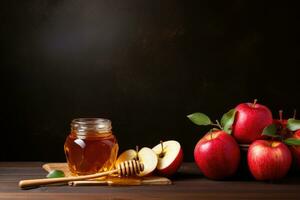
x,y
84,126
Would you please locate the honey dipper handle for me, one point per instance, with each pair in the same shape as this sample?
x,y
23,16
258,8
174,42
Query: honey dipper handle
x,y
46,181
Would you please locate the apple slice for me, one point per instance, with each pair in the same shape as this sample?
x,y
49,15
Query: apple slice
x,y
145,156
129,154
170,157
149,159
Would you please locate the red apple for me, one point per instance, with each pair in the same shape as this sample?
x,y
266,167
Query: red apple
x,y
281,125
217,155
295,150
250,121
269,160
170,156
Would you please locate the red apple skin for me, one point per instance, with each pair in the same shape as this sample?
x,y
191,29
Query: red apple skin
x,y
217,155
295,150
269,160
280,123
250,120
281,126
173,167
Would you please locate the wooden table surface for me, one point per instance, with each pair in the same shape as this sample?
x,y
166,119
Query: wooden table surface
x,y
188,184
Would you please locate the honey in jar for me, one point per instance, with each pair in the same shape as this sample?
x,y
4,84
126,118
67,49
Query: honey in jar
x,y
91,146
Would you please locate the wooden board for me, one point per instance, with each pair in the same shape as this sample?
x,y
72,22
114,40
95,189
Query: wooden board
x,y
111,180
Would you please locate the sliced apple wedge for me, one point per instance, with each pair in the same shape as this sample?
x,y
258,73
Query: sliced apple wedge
x,y
129,154
149,159
145,156
170,157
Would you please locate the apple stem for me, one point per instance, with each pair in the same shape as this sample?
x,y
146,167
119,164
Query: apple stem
x,y
218,124
162,149
295,112
254,103
137,152
280,115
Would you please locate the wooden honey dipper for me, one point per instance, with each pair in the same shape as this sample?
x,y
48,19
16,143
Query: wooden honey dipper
x,y
126,168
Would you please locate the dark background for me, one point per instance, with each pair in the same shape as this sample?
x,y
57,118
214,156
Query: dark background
x,y
144,64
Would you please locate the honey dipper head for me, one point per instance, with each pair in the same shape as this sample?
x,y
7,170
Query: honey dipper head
x,y
130,167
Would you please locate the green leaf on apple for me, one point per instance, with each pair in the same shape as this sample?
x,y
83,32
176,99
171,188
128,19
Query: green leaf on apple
x,y
293,124
56,174
199,119
271,131
292,141
227,120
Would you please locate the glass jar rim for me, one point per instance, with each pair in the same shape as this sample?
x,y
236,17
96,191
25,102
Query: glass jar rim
x,y
90,121
81,125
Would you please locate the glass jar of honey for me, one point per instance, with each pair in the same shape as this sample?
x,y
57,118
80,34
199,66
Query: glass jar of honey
x,y
91,146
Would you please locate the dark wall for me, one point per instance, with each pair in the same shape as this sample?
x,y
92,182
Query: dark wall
x,y
143,64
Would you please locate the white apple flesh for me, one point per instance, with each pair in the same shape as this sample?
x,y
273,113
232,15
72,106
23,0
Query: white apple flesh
x,y
170,157
129,154
146,156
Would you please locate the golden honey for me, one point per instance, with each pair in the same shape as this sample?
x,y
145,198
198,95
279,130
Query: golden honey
x,y
91,146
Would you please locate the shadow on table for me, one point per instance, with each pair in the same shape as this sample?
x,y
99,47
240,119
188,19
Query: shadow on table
x,y
188,171
191,171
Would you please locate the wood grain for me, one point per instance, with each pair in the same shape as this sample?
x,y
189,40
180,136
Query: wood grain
x,y
188,184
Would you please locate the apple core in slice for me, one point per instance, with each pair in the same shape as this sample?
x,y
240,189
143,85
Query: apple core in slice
x,y
170,156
